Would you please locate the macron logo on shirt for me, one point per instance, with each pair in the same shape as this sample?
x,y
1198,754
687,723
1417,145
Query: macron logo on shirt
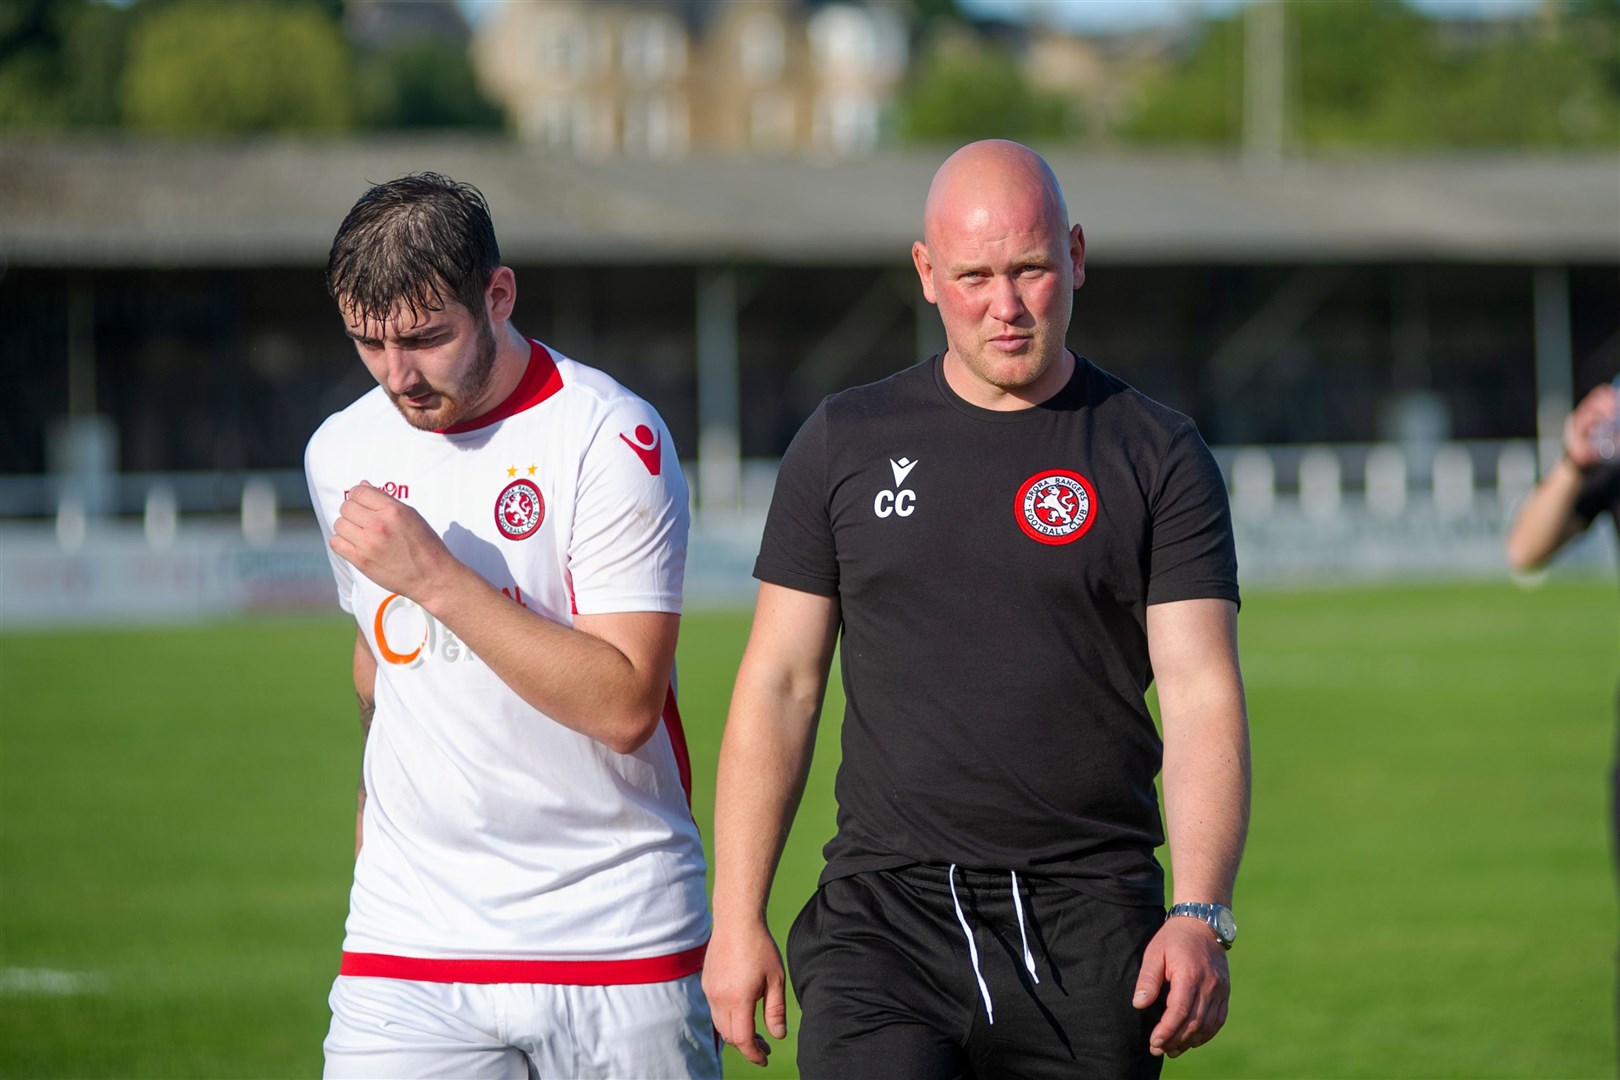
x,y
901,502
645,444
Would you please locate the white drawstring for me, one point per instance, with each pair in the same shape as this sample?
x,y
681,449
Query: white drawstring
x,y
973,950
1018,906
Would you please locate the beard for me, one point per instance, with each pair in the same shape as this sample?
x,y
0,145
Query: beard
x,y
455,402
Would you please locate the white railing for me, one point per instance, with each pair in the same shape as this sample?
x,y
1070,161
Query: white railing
x,y
248,541
1321,481
1383,480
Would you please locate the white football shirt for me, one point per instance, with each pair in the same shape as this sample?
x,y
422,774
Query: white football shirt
x,y
501,846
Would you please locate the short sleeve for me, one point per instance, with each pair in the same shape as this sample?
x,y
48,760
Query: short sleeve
x,y
797,550
628,547
1192,555
1599,493
326,501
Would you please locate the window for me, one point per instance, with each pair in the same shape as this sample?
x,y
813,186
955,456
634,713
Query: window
x,y
846,122
770,122
857,43
763,50
565,49
652,50
655,125
576,123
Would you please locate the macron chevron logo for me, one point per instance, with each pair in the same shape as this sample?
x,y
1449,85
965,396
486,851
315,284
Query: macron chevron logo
x,y
902,469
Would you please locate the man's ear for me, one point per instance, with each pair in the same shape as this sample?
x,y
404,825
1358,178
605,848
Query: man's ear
x,y
500,295
1077,252
925,270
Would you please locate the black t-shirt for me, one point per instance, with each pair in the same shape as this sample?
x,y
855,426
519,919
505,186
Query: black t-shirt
x,y
993,571
1599,494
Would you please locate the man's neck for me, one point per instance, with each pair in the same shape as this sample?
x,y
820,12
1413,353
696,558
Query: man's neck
x,y
975,391
511,362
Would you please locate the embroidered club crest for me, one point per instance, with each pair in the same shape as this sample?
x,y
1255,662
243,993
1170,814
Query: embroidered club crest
x,y
1056,506
519,510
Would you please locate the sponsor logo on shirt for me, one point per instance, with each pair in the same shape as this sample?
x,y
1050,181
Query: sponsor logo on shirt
x,y
645,444
407,635
519,509
397,490
1056,506
901,502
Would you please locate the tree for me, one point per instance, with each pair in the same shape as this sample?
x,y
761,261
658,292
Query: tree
x,y
962,91
927,15
59,63
424,84
207,68
1384,76
1198,98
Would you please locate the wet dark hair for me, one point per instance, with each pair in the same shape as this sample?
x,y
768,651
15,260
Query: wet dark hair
x,y
417,241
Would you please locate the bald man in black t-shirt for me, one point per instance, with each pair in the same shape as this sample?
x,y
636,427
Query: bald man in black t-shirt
x,y
1014,545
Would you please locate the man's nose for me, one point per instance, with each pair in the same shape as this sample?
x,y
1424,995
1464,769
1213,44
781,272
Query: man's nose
x,y
1006,304
399,369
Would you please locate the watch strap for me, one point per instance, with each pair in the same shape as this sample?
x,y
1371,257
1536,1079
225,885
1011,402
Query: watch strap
x,y
1210,916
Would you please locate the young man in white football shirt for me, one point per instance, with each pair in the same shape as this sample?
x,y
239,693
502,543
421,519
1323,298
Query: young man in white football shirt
x,y
508,528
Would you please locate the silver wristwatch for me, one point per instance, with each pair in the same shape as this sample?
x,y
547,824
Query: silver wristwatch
x,y
1218,917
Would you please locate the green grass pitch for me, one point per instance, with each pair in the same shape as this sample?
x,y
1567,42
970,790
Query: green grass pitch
x,y
1427,890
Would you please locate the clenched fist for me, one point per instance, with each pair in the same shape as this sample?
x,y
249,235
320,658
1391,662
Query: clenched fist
x,y
391,544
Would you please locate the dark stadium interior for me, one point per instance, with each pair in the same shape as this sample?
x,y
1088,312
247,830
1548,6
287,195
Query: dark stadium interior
x,y
232,369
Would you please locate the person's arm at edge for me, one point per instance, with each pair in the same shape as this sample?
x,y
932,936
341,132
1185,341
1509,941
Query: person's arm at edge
x,y
1193,648
365,696
764,761
1547,520
605,677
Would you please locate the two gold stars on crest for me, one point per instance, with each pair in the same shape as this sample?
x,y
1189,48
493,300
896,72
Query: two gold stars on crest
x,y
512,471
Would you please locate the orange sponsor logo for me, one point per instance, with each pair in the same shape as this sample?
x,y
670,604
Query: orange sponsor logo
x,y
387,652
406,635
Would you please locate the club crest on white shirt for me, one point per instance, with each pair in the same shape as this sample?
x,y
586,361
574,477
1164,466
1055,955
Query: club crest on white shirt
x,y
1056,506
519,510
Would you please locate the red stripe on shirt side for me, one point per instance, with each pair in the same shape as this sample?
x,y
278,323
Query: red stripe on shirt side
x,y
541,379
677,742
652,969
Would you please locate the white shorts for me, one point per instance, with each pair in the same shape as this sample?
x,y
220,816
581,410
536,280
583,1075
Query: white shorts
x,y
519,1031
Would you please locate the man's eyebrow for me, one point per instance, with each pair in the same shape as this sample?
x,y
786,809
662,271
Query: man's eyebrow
x,y
406,336
1034,258
415,334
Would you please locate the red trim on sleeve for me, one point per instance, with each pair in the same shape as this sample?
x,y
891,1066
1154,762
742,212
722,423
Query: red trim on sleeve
x,y
677,742
652,969
540,380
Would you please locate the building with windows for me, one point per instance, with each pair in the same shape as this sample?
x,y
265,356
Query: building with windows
x,y
648,79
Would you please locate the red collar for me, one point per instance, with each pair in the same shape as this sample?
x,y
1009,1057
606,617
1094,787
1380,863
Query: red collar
x,y
540,380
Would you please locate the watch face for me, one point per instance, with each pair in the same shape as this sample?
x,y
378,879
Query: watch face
x,y
1225,925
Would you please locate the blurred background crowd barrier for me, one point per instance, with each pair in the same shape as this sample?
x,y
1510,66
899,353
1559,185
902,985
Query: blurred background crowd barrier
x,y
1373,249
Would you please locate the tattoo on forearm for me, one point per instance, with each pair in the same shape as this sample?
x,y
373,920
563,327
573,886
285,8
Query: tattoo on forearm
x,y
368,709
